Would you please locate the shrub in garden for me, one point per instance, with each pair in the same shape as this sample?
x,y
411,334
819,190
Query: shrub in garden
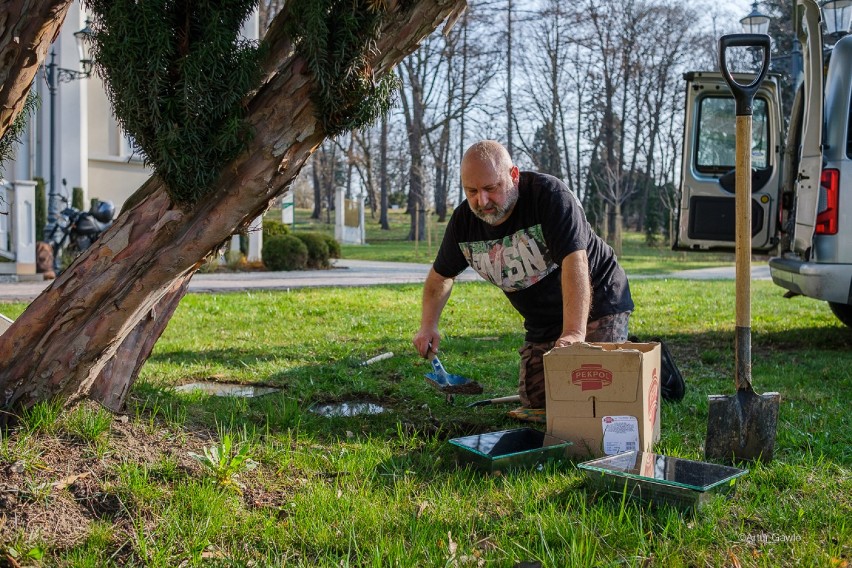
x,y
333,246
284,253
273,228
317,249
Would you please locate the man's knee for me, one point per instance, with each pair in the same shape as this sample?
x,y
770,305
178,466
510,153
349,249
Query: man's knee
x,y
531,376
608,329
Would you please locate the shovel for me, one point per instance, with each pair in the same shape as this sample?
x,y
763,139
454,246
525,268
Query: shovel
x,y
447,383
743,426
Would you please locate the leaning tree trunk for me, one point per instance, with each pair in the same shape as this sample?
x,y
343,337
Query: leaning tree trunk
x,y
113,383
27,28
65,338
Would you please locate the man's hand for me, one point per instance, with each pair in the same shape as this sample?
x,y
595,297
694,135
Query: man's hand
x,y
436,292
566,340
424,338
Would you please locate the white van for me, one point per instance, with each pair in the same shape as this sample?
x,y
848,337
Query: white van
x,y
801,184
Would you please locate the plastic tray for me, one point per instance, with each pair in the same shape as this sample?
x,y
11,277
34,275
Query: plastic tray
x,y
520,448
658,479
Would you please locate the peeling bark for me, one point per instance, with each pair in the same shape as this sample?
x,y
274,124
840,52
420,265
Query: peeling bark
x,y
112,385
67,336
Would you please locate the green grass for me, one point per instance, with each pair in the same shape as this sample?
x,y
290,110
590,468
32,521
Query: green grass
x,y
392,245
384,490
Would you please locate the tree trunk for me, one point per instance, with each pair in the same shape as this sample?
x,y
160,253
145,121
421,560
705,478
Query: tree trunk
x,y
315,178
27,28
383,176
617,230
414,121
78,324
112,385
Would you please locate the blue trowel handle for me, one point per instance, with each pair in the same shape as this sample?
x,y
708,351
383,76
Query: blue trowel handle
x,y
438,367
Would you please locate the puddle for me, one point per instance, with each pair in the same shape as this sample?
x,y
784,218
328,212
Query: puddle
x,y
226,389
347,409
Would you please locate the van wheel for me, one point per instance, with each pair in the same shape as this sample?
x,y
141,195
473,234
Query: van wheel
x,y
843,312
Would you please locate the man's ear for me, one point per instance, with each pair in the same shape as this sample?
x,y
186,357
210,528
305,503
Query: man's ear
x,y
515,173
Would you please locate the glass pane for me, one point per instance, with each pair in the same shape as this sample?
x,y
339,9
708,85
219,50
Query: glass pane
x,y
677,472
716,138
508,442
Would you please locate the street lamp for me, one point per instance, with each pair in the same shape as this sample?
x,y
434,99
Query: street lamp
x,y
55,75
837,15
755,22
758,23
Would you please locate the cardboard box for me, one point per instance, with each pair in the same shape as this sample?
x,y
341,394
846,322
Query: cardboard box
x,y
604,397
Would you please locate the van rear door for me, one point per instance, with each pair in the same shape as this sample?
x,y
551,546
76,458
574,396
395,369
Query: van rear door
x,y
706,216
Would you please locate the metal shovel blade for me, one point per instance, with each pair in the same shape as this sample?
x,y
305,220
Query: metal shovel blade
x,y
742,426
448,383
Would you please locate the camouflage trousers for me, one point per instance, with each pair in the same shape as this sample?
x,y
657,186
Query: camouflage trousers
x,y
608,329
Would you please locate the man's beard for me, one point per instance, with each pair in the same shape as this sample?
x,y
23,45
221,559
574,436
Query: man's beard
x,y
499,213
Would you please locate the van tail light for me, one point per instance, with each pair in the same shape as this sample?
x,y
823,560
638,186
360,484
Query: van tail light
x,y
826,221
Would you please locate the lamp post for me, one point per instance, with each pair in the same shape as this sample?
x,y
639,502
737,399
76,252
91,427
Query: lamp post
x,y
755,22
836,15
758,23
55,75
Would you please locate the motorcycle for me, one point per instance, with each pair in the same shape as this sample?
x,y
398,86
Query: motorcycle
x,y
75,230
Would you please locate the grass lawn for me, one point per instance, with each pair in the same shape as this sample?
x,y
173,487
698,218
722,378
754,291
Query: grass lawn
x,y
84,488
392,245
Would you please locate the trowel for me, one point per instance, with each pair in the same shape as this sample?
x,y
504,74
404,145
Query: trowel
x,y
448,383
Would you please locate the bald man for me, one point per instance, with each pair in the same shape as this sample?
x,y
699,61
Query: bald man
x,y
526,233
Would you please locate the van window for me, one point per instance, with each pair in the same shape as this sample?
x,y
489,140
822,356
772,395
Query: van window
x,y
849,132
715,151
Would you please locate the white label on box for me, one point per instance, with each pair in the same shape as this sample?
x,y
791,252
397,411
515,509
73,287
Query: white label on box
x,y
620,434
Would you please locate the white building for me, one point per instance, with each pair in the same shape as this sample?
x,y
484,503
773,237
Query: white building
x,y
91,151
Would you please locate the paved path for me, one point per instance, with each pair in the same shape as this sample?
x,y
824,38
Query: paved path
x,y
345,273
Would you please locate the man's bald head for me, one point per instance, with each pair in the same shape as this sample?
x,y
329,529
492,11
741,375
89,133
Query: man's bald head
x,y
489,153
490,181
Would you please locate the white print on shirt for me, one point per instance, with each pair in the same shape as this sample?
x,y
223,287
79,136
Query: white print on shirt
x,y
515,262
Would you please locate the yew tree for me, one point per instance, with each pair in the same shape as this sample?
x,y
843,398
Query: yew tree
x,y
324,67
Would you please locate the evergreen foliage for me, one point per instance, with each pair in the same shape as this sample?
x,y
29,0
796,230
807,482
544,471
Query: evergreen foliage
x,y
12,136
333,246
40,207
273,228
284,253
336,37
177,73
317,248
77,201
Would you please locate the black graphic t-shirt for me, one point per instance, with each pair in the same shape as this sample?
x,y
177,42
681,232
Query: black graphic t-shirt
x,y
523,254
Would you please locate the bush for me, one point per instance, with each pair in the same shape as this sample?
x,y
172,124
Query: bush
x,y
273,228
284,253
77,198
40,208
333,246
317,249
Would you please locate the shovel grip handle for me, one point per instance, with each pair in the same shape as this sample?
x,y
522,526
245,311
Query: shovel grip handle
x,y
744,94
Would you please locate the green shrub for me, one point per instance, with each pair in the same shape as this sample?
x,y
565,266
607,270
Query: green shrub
x,y
273,228
77,198
333,246
40,208
284,253
317,249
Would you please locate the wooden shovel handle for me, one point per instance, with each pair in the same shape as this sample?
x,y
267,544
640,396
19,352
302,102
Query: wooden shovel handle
x,y
743,253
